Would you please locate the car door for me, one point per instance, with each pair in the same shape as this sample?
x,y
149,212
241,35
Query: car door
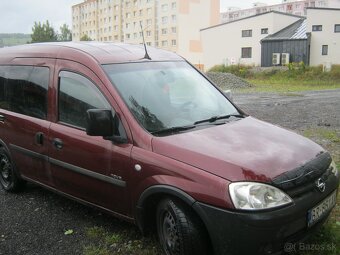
x,y
91,169
24,113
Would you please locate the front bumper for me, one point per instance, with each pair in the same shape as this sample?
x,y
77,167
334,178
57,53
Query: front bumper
x,y
266,232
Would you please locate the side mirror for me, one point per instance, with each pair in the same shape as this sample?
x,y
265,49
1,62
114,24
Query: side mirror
x,y
99,122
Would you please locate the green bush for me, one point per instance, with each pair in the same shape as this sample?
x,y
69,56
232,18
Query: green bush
x,y
238,70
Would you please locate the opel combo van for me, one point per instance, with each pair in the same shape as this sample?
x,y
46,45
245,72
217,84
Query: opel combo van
x,y
148,138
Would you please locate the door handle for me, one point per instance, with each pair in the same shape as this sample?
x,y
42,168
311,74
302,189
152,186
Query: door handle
x,y
39,138
57,143
2,119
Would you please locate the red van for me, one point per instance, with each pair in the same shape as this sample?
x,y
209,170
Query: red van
x,y
148,138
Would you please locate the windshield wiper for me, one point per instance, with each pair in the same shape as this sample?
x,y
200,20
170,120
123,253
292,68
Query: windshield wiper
x,y
172,130
215,118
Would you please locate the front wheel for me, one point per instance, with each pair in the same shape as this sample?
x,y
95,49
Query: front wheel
x,y
8,177
179,230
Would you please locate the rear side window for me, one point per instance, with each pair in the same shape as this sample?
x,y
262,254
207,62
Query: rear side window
x,y
23,89
78,94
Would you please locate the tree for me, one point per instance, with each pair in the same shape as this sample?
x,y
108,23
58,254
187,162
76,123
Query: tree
x,y
85,38
65,33
43,33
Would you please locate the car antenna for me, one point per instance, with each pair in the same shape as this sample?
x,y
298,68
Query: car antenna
x,y
146,56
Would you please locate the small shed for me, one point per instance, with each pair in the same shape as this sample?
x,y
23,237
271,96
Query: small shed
x,y
292,42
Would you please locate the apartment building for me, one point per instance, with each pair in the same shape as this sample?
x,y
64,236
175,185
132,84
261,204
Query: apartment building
x,y
168,24
295,7
239,42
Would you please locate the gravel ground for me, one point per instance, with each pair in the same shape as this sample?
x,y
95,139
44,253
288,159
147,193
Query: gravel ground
x,y
228,81
35,221
298,111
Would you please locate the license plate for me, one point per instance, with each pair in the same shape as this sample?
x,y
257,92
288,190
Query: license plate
x,y
319,211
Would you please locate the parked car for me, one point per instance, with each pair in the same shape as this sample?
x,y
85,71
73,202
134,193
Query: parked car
x,y
148,138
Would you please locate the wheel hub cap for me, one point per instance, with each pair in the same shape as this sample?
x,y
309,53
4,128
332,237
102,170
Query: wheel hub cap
x,y
170,234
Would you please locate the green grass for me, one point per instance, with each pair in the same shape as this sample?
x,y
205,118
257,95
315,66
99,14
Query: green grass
x,y
328,134
285,88
125,242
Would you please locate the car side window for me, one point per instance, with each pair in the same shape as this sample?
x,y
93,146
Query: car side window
x,y
77,94
23,89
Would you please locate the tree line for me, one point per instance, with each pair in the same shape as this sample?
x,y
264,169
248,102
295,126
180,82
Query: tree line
x,y
44,32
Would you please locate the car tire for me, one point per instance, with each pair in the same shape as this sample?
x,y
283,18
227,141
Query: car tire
x,y
179,230
9,179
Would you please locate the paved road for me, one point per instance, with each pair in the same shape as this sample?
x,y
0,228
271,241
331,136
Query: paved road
x,y
34,222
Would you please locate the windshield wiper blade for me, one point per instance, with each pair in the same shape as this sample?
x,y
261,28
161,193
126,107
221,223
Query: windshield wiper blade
x,y
215,118
172,130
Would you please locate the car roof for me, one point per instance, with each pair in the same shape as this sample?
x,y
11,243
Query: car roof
x,y
102,52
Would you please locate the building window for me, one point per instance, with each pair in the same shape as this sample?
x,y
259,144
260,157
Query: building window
x,y
164,43
316,28
264,31
247,33
174,30
173,18
164,20
148,33
164,31
173,42
337,28
173,6
246,52
324,50
164,7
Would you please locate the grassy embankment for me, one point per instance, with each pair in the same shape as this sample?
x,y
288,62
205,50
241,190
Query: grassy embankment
x,y
7,40
297,78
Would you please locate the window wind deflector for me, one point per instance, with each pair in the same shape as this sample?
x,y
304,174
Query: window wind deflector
x,y
215,118
172,130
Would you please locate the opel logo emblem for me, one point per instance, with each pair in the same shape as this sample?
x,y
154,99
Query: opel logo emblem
x,y
321,185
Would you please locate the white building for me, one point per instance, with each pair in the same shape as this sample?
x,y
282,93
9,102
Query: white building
x,y
296,7
324,28
238,42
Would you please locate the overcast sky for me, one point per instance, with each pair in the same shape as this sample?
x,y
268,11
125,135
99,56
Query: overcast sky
x,y
19,16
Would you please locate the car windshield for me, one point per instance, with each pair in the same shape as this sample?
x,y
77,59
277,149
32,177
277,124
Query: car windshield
x,y
167,95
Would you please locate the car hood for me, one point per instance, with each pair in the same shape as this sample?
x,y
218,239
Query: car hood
x,y
247,149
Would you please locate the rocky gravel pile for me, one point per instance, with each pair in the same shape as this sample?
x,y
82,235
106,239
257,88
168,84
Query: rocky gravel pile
x,y
228,81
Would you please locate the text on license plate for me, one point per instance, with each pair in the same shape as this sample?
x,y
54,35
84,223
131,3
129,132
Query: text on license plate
x,y
316,213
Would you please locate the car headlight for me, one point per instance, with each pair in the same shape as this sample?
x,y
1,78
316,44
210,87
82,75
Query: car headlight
x,y
334,169
257,196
